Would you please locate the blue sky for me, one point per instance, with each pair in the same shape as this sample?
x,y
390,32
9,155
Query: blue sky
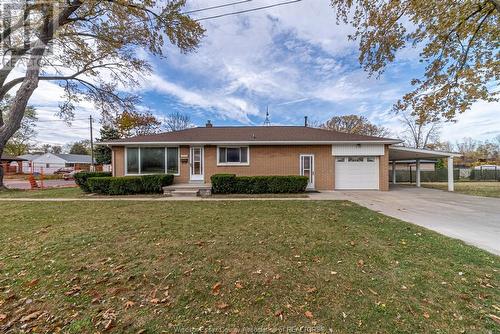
x,y
293,59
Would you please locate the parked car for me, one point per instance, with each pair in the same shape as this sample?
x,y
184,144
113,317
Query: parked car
x,y
63,170
70,175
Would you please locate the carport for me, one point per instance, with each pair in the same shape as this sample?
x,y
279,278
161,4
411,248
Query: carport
x,y
397,153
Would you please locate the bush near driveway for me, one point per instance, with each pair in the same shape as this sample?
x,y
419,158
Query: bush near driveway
x,y
129,185
82,178
232,184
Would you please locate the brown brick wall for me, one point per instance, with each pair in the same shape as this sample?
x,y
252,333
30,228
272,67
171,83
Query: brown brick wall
x,y
277,160
384,170
266,160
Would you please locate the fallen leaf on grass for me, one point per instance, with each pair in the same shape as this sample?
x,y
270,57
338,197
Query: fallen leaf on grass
x,y
222,306
109,325
373,291
216,288
2,316
361,263
154,301
74,290
494,318
129,304
279,314
311,290
32,282
308,314
31,316
238,285
426,315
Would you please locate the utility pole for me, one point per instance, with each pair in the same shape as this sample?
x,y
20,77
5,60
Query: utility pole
x,y
91,146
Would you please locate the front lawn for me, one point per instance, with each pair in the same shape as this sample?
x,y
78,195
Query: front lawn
x,y
86,267
488,189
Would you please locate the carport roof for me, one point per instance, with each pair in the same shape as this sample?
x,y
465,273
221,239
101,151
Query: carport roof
x,y
406,153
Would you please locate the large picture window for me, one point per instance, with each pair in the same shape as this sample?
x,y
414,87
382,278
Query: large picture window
x,y
233,155
152,160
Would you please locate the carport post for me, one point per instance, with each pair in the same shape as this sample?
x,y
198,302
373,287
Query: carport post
x,y
417,177
451,186
393,172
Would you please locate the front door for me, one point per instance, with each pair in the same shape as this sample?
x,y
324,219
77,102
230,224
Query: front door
x,y
307,168
196,163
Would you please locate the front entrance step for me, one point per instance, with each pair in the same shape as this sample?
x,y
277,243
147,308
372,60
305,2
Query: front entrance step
x,y
184,193
188,190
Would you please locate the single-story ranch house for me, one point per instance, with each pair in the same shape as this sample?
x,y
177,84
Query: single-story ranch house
x,y
332,160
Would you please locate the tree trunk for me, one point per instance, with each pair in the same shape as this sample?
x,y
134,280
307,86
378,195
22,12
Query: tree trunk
x,y
2,187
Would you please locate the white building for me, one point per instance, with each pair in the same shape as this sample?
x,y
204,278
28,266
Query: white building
x,y
50,162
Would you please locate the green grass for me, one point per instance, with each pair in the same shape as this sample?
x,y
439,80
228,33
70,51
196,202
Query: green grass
x,y
68,192
487,189
354,270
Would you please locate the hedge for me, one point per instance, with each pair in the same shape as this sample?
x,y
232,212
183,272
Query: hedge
x,y
232,184
130,185
81,178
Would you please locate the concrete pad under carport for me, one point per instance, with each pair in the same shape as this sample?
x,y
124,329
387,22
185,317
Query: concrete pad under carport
x,y
472,219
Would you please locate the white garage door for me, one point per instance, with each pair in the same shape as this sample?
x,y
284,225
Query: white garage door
x,y
356,173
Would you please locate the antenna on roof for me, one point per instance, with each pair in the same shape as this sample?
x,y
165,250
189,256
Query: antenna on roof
x,y
267,121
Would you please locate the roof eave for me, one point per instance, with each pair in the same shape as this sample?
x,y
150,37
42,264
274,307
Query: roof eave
x,y
254,142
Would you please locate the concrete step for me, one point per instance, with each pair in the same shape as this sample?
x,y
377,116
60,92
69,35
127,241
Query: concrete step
x,y
184,193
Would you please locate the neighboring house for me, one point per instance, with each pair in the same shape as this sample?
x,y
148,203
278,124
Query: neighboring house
x,y
50,162
331,160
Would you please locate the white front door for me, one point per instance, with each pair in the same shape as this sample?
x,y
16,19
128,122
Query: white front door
x,y
196,163
357,172
307,168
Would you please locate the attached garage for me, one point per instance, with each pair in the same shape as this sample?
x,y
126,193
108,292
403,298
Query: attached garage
x,y
357,172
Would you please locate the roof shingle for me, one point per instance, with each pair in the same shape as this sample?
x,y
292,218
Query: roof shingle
x,y
251,134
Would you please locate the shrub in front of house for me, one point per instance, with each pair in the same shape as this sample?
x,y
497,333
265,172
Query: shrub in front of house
x,y
130,185
81,178
232,184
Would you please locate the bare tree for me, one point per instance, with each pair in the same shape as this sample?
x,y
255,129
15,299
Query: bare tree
x,y
419,133
177,121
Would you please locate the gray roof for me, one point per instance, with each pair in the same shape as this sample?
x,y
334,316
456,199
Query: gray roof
x,y
75,158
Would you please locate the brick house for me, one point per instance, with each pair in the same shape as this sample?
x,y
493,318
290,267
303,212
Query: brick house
x,y
332,160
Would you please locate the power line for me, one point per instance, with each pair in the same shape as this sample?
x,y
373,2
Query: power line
x,y
248,10
214,7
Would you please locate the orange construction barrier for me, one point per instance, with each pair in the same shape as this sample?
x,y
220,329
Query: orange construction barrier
x,y
33,183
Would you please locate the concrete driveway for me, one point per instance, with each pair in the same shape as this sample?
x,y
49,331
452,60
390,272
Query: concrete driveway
x,y
473,219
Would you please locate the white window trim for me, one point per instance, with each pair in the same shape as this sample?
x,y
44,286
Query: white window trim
x,y
139,160
233,163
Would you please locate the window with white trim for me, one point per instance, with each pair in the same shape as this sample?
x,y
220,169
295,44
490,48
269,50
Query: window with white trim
x,y
232,155
152,160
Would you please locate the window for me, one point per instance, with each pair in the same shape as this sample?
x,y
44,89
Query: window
x,y
233,155
132,160
370,159
172,160
340,159
152,160
355,159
